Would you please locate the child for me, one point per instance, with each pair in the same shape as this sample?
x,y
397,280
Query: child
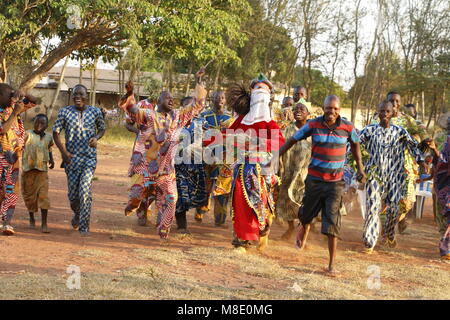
x,y
37,157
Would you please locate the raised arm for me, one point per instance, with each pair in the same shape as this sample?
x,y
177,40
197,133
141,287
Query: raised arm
x,y
188,113
18,109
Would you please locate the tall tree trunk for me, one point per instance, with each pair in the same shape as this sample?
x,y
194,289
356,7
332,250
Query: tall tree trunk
x,y
433,110
3,71
120,83
187,86
49,111
87,38
216,79
138,84
170,74
423,105
80,76
94,83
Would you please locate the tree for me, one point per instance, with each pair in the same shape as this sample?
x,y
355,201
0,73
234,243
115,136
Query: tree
x,y
82,25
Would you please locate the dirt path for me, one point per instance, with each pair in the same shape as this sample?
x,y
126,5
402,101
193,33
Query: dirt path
x,y
123,260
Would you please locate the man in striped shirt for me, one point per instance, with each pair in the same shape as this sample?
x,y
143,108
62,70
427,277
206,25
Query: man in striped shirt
x,y
324,184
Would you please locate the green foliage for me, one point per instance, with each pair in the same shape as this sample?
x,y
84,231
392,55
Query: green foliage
x,y
257,55
322,87
153,87
89,29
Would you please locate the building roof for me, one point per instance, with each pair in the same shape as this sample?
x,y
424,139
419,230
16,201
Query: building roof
x,y
107,80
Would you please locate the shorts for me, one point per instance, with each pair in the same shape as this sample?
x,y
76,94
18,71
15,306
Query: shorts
x,y
35,190
325,196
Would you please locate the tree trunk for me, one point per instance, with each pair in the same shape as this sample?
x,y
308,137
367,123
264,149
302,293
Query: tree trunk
x,y
188,80
80,77
433,110
423,106
216,79
87,38
138,86
120,83
170,74
94,83
49,111
3,71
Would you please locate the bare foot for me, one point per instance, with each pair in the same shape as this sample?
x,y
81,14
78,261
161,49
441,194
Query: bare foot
x,y
299,244
263,241
332,272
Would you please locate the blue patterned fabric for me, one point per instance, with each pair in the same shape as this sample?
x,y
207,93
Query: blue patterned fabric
x,y
79,127
191,186
386,177
79,182
213,120
252,188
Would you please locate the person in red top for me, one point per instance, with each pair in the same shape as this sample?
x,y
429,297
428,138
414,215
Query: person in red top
x,y
143,210
252,196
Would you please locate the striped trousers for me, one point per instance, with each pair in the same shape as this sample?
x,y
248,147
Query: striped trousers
x,y
392,189
8,188
165,189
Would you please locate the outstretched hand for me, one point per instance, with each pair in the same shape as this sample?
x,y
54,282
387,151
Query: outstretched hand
x,y
200,73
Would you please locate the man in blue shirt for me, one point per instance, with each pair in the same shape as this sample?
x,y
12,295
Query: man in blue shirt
x,y
83,126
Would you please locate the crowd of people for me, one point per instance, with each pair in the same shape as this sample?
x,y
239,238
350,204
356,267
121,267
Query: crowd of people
x,y
254,164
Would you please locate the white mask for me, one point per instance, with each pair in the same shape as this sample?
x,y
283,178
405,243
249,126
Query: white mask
x,y
259,107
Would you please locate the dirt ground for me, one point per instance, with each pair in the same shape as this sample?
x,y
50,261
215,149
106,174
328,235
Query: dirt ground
x,y
121,260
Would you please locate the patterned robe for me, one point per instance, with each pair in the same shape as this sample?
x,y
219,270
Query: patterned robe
x,y
252,192
79,127
442,189
135,170
384,167
154,158
294,171
216,173
11,143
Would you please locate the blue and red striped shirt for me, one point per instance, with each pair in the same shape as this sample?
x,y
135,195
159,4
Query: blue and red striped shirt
x,y
329,147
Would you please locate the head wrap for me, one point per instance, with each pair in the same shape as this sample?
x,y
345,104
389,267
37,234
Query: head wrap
x,y
261,78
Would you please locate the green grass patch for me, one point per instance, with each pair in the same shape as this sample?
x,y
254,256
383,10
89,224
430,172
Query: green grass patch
x,y
118,135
